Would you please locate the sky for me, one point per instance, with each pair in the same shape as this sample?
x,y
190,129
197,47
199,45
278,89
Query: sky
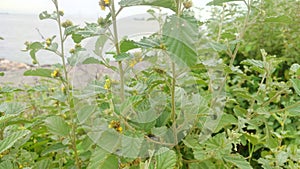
x,y
72,7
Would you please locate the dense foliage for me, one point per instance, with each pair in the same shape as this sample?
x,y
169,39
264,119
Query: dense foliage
x,y
221,93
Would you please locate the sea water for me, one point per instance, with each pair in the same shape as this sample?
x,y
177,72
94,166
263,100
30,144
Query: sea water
x,y
16,29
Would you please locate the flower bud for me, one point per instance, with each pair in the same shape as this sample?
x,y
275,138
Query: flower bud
x,y
67,23
188,4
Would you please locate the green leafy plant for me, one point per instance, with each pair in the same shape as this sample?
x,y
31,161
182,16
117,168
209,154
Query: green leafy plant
x,y
191,95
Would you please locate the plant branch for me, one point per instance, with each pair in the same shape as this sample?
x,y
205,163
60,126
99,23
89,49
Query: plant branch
x,y
117,46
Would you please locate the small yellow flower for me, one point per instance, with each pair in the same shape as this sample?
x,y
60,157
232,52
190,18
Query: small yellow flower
x,y
55,73
63,89
106,2
48,42
119,129
20,166
107,84
132,63
162,46
115,125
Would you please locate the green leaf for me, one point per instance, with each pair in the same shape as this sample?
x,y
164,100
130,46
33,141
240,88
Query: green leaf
x,y
12,107
1,38
77,38
36,46
131,145
215,147
7,165
226,120
148,43
170,4
256,65
46,15
71,29
252,138
127,45
279,19
265,163
85,112
102,159
122,56
1,73
39,72
53,148
220,2
166,159
238,160
217,46
180,37
296,85
99,45
9,141
6,118
57,125
91,60
46,163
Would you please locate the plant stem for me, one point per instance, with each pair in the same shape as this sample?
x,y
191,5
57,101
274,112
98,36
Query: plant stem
x,y
116,41
62,54
66,83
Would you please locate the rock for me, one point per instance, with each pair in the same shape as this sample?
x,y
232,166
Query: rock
x,y
7,65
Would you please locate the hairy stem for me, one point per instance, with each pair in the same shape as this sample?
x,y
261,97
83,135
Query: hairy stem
x,y
117,46
66,83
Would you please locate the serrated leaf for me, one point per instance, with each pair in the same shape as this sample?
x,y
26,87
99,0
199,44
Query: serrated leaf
x,y
226,120
57,125
214,147
7,165
238,160
77,38
180,37
9,141
170,4
296,85
12,107
46,15
148,43
127,45
166,159
131,146
71,29
39,72
280,19
53,148
217,46
265,163
220,2
46,163
102,159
